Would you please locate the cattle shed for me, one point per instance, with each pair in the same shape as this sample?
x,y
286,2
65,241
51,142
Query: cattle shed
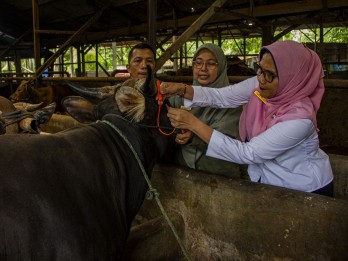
x,y
217,218
32,28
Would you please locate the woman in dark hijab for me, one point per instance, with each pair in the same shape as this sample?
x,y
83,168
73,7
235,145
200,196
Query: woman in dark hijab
x,y
209,69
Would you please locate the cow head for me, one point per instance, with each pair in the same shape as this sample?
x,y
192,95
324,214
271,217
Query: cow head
x,y
134,99
23,92
6,106
45,94
23,117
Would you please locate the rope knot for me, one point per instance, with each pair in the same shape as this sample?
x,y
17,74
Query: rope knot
x,y
151,194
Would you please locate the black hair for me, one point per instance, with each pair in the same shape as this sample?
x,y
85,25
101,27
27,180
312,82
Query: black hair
x,y
140,46
265,50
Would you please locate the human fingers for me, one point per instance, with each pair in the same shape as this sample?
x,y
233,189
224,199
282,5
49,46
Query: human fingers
x,y
180,119
169,89
177,116
184,137
172,115
172,112
180,141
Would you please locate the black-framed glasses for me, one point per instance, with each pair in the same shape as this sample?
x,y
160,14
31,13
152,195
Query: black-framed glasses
x,y
198,64
267,75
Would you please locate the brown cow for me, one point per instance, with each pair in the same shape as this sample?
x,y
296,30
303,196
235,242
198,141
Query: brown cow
x,y
6,106
26,92
23,117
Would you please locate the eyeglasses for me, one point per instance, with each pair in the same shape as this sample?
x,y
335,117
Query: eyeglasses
x,y
198,64
267,75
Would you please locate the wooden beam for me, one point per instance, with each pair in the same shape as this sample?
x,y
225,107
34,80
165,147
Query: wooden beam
x,y
237,15
188,33
68,43
54,32
15,43
258,12
284,32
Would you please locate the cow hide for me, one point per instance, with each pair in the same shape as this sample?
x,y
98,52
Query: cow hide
x,y
23,117
27,92
73,195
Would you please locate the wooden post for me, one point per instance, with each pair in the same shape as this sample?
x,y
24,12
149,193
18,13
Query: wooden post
x,y
151,21
36,34
188,33
96,60
68,43
267,35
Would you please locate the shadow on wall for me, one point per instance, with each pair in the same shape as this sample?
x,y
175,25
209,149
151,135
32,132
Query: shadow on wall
x,y
333,121
229,219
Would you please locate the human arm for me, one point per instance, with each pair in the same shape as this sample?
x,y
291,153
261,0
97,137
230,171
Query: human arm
x,y
228,97
169,89
269,145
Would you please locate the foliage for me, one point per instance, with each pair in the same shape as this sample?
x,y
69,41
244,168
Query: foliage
x,y
331,35
106,56
109,60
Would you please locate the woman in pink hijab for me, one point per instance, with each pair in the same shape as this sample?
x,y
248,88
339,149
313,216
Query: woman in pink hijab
x,y
278,127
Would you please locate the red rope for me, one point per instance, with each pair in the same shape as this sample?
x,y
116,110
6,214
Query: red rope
x,y
160,103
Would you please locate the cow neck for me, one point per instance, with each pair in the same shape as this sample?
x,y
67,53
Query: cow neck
x,y
129,129
152,193
170,129
126,140
135,144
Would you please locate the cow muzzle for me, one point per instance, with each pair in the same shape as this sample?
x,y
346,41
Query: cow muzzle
x,y
30,125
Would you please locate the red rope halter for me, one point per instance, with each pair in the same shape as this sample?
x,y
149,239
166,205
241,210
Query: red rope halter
x,y
160,103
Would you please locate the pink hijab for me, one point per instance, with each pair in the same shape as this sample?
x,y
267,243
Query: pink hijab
x,y
300,90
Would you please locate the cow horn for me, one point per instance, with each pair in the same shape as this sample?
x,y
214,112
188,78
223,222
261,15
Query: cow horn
x,y
149,86
94,94
27,106
44,115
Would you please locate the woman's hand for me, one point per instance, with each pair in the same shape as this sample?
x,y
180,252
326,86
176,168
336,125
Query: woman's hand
x,y
169,89
180,119
183,137
185,120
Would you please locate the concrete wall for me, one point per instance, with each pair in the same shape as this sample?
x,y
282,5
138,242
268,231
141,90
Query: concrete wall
x,y
333,118
225,219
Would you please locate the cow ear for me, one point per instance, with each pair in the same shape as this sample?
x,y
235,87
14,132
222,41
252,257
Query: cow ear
x,y
131,103
79,108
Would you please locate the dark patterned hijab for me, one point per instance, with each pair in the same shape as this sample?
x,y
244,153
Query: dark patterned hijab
x,y
223,120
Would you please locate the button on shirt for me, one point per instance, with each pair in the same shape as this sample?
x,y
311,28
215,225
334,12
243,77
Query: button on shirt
x,y
285,155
